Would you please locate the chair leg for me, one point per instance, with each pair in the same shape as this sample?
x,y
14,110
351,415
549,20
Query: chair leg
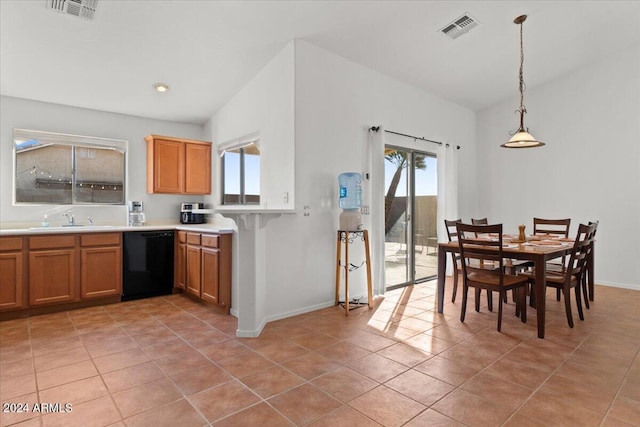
x,y
523,303
579,301
477,295
508,269
585,290
567,305
500,300
463,310
558,294
455,285
489,300
532,293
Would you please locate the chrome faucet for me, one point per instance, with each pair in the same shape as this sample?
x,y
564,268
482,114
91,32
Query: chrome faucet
x,y
68,214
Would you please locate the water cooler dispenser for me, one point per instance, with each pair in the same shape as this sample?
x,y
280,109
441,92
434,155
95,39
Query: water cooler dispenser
x,y
352,233
350,201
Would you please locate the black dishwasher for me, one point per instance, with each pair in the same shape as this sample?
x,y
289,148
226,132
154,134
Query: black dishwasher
x,y
147,264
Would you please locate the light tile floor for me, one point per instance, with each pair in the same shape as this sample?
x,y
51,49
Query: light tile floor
x,y
170,361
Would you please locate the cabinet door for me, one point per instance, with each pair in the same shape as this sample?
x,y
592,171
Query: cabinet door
x,y
11,280
168,166
224,272
52,276
101,272
197,168
210,282
181,268
193,270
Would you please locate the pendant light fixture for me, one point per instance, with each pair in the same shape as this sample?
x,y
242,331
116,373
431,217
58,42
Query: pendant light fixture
x,y
522,138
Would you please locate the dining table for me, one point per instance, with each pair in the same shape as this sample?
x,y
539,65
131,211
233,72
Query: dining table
x,y
537,249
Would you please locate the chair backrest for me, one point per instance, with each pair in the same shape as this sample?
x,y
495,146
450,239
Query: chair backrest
x,y
595,229
593,224
559,227
480,221
481,249
450,225
581,248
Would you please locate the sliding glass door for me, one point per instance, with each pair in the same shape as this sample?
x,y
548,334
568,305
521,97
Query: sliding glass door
x,y
410,216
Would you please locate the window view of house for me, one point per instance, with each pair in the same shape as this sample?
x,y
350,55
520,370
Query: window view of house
x,y
68,169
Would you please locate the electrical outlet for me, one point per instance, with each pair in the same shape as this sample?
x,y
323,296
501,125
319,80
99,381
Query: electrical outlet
x,y
364,210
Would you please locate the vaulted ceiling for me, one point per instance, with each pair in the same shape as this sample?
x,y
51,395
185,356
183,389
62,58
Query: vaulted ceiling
x,y
207,50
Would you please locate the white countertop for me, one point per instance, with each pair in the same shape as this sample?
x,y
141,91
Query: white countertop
x,y
201,228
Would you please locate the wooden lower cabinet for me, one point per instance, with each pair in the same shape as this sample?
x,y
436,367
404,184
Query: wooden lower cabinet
x,y
193,267
100,265
180,281
40,272
206,267
52,276
12,276
210,269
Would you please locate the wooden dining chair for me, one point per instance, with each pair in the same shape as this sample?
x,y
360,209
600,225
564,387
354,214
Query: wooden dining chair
x,y
573,274
452,234
585,287
495,280
557,228
511,266
450,225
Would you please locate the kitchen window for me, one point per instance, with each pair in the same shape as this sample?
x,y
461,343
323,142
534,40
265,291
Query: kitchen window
x,y
62,169
241,172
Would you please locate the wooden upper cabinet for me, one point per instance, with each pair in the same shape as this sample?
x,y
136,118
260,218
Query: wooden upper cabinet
x,y
178,166
166,166
197,169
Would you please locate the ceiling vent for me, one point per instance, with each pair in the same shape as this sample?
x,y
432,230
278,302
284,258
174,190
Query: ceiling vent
x,y
85,9
460,26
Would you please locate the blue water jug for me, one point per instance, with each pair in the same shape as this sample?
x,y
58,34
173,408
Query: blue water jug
x,y
350,190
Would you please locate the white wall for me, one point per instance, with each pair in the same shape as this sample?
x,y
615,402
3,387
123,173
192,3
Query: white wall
x,y
266,106
336,102
35,115
589,169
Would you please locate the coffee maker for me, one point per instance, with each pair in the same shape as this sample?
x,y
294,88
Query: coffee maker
x,y
189,213
136,213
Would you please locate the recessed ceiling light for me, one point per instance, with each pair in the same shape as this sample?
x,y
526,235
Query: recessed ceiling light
x,y
161,87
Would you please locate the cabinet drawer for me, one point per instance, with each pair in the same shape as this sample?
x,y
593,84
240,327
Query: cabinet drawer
x,y
182,237
10,243
193,238
48,242
112,239
210,240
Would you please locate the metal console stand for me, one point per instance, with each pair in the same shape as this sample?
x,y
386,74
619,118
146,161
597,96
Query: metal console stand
x,y
346,237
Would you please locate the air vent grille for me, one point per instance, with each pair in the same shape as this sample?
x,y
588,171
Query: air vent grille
x,y
85,9
459,26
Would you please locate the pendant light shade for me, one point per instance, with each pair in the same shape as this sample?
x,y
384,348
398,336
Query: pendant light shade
x,y
522,138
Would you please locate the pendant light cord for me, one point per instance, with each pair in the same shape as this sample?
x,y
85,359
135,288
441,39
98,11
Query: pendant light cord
x,y
521,86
